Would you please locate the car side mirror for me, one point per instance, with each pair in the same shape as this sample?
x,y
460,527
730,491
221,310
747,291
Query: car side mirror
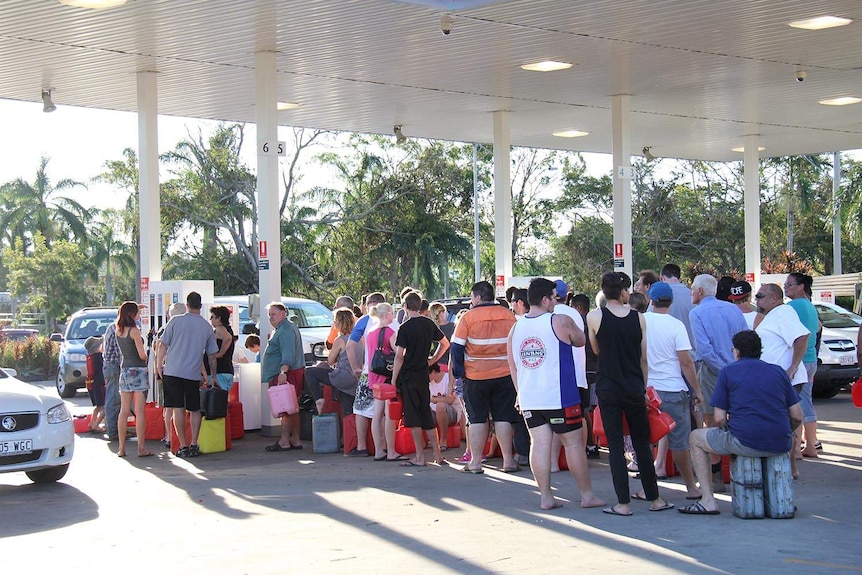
x,y
56,337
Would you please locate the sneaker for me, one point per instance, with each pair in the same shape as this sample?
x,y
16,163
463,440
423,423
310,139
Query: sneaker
x,y
593,452
166,443
466,458
357,453
183,453
522,459
194,450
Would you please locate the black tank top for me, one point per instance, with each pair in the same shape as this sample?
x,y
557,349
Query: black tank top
x,y
619,365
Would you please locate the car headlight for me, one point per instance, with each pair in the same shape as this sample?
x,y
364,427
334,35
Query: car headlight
x,y
59,414
77,357
319,350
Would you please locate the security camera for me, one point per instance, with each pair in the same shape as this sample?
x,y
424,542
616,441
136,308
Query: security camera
x,y
801,74
446,22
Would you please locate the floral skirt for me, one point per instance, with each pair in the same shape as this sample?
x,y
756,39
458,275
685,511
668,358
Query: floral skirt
x,y
363,402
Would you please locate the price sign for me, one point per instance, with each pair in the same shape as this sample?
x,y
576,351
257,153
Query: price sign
x,y
265,148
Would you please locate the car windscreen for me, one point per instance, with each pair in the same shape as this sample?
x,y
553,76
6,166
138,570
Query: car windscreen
x,y
84,327
309,314
834,319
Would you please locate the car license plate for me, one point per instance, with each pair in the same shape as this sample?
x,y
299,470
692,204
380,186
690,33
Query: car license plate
x,y
19,447
847,359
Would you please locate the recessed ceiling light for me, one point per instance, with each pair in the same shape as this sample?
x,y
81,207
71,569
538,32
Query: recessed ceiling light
x,y
93,4
547,66
741,149
571,134
820,23
287,105
842,101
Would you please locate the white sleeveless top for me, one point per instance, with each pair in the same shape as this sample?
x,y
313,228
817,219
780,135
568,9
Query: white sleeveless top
x,y
545,365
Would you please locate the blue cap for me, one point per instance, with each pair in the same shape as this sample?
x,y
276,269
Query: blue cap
x,y
562,289
661,290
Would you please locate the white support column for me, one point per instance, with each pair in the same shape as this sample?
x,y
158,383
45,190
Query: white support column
x,y
502,199
269,230
149,211
752,210
622,180
837,267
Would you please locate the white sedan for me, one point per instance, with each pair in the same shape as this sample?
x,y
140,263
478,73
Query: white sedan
x,y
36,431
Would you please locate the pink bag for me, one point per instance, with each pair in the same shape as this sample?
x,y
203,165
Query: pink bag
x,y
282,399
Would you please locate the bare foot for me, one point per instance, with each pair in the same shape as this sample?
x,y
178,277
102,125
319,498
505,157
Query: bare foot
x,y
145,453
587,502
121,453
553,504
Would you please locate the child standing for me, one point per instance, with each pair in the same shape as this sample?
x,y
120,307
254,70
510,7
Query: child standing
x,y
95,383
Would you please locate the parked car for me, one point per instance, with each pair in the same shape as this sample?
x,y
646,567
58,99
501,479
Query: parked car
x,y
837,365
456,304
87,322
36,431
311,317
17,334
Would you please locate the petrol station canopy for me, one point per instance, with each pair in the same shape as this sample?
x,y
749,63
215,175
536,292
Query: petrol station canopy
x,y
701,74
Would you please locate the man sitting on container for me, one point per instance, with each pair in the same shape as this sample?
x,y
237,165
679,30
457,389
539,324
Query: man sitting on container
x,y
756,409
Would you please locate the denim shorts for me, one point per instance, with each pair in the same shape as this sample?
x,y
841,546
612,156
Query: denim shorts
x,y
805,401
722,442
677,404
134,379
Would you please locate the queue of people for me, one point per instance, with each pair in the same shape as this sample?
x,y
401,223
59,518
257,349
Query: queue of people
x,y
535,372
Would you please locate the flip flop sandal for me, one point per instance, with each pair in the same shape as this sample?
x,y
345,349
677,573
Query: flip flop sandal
x,y
640,497
612,511
664,507
276,447
399,458
473,471
697,509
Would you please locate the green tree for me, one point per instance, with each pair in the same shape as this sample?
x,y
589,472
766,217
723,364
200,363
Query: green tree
x,y
111,253
407,210
49,278
27,208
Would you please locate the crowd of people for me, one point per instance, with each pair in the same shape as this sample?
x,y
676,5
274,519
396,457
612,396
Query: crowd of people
x,y
533,372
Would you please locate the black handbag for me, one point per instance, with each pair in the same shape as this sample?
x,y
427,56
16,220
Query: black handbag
x,y
214,402
381,363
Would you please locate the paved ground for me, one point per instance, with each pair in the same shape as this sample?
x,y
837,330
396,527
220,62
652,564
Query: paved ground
x,y
247,511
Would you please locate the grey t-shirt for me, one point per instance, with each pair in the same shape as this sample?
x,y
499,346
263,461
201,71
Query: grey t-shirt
x,y
187,337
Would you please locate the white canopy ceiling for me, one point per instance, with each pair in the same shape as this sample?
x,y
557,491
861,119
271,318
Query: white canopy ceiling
x,y
702,74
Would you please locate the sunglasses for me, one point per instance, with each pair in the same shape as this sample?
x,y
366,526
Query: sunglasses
x,y
759,295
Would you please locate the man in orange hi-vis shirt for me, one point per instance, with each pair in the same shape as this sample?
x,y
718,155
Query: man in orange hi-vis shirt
x,y
478,354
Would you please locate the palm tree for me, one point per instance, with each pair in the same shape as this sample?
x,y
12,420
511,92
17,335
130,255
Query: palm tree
x,y
36,207
109,251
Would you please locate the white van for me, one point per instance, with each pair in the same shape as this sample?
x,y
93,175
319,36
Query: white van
x,y
311,317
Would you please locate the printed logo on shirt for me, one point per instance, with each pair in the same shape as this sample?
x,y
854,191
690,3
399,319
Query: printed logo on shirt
x,y
532,353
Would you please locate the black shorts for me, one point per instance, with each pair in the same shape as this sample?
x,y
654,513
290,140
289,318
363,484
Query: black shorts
x,y
560,420
181,392
416,398
495,396
585,398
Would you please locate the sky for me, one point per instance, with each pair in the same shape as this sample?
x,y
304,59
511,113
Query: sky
x,y
79,141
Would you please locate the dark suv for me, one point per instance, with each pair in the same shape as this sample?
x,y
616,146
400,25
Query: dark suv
x,y
90,321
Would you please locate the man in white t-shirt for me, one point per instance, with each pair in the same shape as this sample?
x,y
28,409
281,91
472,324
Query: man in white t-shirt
x,y
670,367
784,338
